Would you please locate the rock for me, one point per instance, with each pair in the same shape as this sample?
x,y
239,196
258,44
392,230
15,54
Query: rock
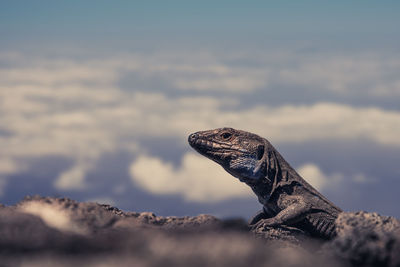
x,y
367,239
59,231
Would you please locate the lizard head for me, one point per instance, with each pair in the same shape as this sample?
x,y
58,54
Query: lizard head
x,y
240,153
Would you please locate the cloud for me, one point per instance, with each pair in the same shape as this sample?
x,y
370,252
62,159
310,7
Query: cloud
x,y
234,81
76,109
95,128
321,121
7,165
319,180
369,74
324,121
197,179
57,72
72,179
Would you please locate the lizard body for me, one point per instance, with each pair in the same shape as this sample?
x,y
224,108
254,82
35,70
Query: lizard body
x,y
286,197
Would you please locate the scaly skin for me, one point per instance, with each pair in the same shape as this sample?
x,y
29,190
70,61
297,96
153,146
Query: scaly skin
x,y
286,197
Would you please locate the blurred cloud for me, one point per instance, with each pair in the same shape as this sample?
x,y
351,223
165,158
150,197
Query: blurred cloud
x,y
319,180
77,109
58,73
197,179
371,74
237,80
325,121
322,181
72,179
7,166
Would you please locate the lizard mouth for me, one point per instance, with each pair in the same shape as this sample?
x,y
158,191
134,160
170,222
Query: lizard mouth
x,y
199,144
216,151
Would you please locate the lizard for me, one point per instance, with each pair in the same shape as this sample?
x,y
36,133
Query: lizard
x,y
286,197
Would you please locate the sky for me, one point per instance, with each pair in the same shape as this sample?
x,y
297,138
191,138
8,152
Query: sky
x,y
97,99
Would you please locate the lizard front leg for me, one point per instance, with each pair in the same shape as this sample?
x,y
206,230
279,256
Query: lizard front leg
x,y
294,212
260,215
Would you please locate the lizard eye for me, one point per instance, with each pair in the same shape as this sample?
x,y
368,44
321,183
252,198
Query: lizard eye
x,y
226,135
260,152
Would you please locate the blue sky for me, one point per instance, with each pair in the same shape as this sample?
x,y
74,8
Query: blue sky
x,y
97,99
206,22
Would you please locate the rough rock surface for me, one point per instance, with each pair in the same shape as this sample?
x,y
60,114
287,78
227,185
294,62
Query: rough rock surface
x,y
367,239
41,231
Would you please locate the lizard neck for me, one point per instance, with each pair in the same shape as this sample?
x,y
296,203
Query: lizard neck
x,y
277,173
272,176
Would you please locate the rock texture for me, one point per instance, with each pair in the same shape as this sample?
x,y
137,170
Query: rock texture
x,y
367,239
41,231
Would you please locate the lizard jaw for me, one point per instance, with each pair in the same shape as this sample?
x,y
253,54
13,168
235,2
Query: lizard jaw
x,y
199,144
209,149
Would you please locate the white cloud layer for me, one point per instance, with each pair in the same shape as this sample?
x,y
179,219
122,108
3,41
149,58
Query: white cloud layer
x,y
371,74
76,108
197,179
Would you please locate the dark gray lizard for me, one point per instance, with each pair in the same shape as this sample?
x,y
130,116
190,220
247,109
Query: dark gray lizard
x,y
286,197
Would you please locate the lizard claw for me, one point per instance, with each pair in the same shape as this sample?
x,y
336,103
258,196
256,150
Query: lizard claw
x,y
258,216
263,223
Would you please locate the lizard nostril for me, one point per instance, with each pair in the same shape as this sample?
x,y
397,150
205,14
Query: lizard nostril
x,y
192,138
